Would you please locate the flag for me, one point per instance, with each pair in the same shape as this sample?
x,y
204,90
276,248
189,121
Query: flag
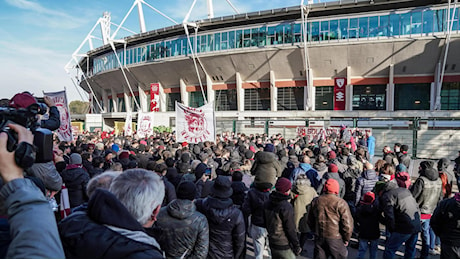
x,y
128,124
194,125
145,124
154,97
64,132
340,91
65,203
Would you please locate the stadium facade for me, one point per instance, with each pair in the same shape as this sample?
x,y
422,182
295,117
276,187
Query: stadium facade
x,y
343,59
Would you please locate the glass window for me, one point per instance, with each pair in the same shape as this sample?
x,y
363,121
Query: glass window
x,y
405,23
196,98
279,34
394,25
428,21
384,25
226,100
287,33
171,98
210,43
416,22
271,35
369,97
324,34
412,96
334,32
261,36
450,96
298,32
324,98
257,99
231,40
133,103
217,41
121,105
343,29
353,28
374,28
290,98
454,18
363,27
315,31
239,39
247,38
440,20
224,41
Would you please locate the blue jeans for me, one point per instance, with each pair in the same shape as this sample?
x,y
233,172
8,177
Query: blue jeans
x,y
428,238
396,240
260,239
364,244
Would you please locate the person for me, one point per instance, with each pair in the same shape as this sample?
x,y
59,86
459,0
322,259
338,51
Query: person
x,y
389,156
306,168
371,146
332,174
331,221
266,168
114,224
401,218
447,177
226,223
279,219
253,207
76,179
367,220
184,231
33,229
404,157
366,182
239,189
444,222
427,191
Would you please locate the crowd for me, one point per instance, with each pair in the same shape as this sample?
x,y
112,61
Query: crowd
x,y
131,197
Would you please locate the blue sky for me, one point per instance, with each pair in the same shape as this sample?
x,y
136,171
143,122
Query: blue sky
x,y
38,37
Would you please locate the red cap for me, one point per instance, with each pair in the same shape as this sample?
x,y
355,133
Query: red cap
x,y
22,100
332,186
333,168
368,198
184,144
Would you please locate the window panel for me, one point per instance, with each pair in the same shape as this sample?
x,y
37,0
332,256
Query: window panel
x,y
374,28
371,97
257,99
353,28
324,98
343,28
394,25
412,96
416,22
171,99
363,27
315,31
428,21
324,34
226,100
291,98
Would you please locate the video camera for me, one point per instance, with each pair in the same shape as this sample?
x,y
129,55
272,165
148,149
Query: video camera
x,y
43,138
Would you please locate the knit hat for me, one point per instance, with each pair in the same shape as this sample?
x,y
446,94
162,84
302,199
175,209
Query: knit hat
x,y
283,185
368,198
248,154
184,144
269,148
333,168
222,187
22,100
100,146
115,148
124,155
404,148
200,170
186,190
332,186
331,155
107,152
401,168
75,158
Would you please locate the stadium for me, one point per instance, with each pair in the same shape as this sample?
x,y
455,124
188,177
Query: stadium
x,y
390,65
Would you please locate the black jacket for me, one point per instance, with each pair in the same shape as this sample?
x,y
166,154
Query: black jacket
x,y
279,219
106,230
54,120
444,222
76,179
239,192
170,192
253,206
227,235
367,219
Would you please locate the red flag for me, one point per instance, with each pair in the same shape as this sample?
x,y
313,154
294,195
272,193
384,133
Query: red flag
x,y
154,97
339,93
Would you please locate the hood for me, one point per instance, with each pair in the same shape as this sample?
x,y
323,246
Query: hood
x,y
443,163
181,209
104,207
276,197
265,157
305,166
430,173
370,175
218,209
390,185
320,166
301,186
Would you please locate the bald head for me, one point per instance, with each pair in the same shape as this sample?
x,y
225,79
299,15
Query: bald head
x,y
368,166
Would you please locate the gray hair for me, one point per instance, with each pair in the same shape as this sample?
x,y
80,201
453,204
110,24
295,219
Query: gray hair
x,y
101,181
140,191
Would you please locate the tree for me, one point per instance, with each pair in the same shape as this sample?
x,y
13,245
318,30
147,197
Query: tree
x,y
78,107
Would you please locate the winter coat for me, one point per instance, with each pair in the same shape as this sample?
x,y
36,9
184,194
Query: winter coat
x,y
342,167
266,168
303,194
371,145
279,219
203,189
404,158
400,209
427,190
254,206
330,217
335,176
444,221
365,183
184,231
239,192
309,171
106,230
54,119
76,179
173,176
403,179
367,220
170,192
321,168
227,234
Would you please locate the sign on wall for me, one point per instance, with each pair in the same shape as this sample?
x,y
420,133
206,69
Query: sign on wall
x,y
154,97
339,93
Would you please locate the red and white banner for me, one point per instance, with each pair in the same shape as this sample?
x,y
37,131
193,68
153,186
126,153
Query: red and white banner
x,y
316,133
154,97
194,125
340,93
128,128
64,132
145,124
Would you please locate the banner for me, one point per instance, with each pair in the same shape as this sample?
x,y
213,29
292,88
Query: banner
x,y
64,132
194,125
339,93
154,97
316,133
128,128
145,124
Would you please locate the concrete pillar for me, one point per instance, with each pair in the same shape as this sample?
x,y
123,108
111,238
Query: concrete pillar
x,y
163,103
114,101
239,92
273,92
127,98
210,92
349,94
391,90
145,106
183,93
311,91
105,101
432,96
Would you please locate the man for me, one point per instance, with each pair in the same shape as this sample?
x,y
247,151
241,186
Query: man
x,y
330,218
184,231
404,157
114,224
279,219
401,217
32,224
332,174
389,156
76,178
306,168
366,182
427,191
444,222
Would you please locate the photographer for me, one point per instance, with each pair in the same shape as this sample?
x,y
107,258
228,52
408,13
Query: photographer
x,y
32,224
